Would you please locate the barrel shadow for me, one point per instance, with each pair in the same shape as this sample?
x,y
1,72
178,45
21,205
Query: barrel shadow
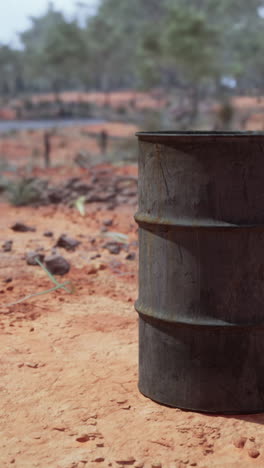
x,y
257,418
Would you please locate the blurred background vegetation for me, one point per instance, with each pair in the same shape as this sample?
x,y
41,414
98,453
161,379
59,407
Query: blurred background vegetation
x,y
188,51
122,66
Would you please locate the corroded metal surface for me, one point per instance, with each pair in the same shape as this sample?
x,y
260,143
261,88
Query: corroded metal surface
x,y
201,274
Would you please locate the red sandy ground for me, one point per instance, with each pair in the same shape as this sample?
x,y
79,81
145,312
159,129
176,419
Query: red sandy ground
x,y
26,146
69,396
114,99
249,111
69,363
143,100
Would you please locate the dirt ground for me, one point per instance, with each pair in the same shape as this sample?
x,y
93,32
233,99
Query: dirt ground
x,y
69,396
142,100
26,147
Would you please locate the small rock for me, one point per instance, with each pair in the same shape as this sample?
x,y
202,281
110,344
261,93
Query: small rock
x,y
92,270
113,247
81,187
7,246
156,465
108,222
8,280
240,442
21,227
100,444
56,195
99,196
57,265
67,242
83,438
126,461
10,288
31,258
84,460
95,256
131,256
48,234
32,365
253,453
99,460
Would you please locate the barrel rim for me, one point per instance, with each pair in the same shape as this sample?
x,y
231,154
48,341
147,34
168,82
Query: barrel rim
x,y
185,223
201,133
201,322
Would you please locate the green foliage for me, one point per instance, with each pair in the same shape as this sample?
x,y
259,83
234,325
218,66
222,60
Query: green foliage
x,y
23,192
80,205
168,43
3,184
11,75
53,279
191,42
54,49
57,286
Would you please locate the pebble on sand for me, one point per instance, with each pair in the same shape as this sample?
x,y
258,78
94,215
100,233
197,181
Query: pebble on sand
x,y
67,242
7,246
48,234
83,438
126,461
21,227
57,265
240,442
253,453
31,257
113,248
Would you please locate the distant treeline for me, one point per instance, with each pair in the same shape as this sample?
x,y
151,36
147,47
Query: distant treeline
x,y
201,46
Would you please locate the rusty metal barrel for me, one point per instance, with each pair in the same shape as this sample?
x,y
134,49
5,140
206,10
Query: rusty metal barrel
x,y
201,272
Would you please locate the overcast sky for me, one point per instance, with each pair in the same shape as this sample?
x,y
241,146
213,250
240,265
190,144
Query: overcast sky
x,y
14,15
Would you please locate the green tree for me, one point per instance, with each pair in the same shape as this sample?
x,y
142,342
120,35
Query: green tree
x,y
55,50
11,71
114,35
191,43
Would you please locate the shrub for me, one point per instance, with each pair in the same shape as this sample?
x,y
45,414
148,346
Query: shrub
x,y
23,192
